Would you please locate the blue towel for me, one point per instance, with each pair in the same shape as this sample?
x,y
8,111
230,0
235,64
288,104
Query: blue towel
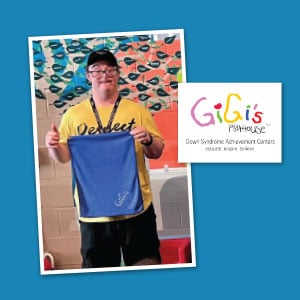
x,y
106,174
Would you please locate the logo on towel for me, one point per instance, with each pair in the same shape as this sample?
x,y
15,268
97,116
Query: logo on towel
x,y
121,198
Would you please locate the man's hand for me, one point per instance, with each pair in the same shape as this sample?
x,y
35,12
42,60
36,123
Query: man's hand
x,y
140,134
59,152
153,147
52,137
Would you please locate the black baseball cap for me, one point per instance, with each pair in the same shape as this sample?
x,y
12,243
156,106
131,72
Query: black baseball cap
x,y
102,55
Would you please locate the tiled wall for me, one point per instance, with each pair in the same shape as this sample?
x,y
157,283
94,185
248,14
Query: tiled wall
x,y
60,229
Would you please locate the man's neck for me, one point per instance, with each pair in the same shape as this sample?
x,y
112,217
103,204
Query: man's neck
x,y
105,100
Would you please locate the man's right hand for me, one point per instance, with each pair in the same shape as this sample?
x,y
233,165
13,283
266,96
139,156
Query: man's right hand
x,y
52,137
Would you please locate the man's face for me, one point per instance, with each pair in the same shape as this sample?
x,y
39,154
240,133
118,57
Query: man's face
x,y
103,76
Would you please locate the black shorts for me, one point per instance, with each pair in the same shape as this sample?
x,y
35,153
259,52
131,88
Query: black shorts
x,y
136,238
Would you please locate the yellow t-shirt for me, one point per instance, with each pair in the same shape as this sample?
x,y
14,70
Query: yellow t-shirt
x,y
80,120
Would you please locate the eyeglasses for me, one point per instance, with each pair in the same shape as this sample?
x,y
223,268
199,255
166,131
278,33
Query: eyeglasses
x,y
99,73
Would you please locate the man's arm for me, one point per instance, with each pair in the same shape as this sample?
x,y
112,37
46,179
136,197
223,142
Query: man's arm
x,y
153,147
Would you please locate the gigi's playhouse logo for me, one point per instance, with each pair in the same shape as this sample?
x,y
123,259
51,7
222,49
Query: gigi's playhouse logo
x,y
231,112
227,122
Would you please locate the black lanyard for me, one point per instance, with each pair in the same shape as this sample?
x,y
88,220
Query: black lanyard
x,y
112,115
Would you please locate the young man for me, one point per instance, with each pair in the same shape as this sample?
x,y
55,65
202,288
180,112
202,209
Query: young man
x,y
105,239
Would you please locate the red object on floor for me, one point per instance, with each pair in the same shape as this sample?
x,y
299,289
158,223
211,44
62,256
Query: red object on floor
x,y
48,262
175,251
